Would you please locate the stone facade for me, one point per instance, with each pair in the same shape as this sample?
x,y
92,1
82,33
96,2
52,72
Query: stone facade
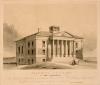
x,y
48,46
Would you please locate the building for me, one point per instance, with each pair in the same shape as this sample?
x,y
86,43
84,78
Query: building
x,y
48,46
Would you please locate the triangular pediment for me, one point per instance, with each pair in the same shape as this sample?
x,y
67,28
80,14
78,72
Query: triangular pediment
x,y
63,34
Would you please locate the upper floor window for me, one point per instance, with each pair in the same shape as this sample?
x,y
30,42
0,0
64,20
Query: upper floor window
x,y
28,51
28,44
76,45
22,49
19,50
43,52
32,43
32,51
43,42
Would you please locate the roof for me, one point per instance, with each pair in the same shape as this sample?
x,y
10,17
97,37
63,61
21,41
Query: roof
x,y
47,34
67,34
43,33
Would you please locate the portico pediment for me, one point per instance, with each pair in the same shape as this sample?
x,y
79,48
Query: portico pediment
x,y
63,34
66,34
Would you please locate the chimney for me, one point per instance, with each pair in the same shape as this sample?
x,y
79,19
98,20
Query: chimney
x,y
38,29
54,29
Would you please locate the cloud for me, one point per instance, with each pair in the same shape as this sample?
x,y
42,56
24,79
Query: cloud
x,y
9,37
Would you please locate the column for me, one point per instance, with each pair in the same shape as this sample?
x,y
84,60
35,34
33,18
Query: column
x,y
66,49
74,49
62,48
57,48
82,49
53,48
81,44
70,48
49,50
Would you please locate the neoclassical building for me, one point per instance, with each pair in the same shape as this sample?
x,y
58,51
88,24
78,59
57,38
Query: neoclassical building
x,y
50,46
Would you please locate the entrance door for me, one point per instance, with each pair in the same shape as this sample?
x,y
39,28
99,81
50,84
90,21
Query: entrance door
x,y
79,54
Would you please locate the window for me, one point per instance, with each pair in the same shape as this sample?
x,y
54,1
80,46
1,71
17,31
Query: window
x,y
19,60
32,43
22,60
76,45
32,61
19,50
22,49
43,43
43,60
28,44
28,61
43,52
28,51
32,51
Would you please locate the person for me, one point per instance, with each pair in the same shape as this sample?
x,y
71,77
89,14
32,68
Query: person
x,y
73,62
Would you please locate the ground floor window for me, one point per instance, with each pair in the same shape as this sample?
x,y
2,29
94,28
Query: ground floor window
x,y
28,61
32,61
43,60
22,60
19,60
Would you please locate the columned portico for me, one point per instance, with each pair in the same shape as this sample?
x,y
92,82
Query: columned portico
x,y
62,48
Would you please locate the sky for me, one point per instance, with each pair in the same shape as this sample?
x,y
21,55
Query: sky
x,y
79,18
